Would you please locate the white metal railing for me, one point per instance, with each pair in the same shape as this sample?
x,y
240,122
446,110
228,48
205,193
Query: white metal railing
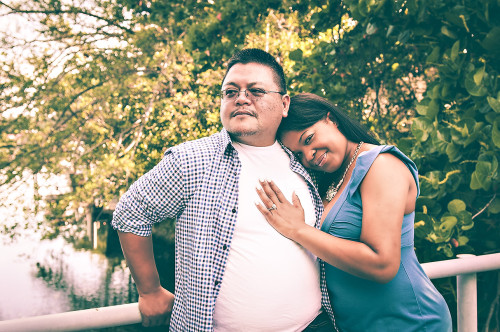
x,y
465,268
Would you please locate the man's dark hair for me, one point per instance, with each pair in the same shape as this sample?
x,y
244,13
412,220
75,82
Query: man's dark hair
x,y
255,55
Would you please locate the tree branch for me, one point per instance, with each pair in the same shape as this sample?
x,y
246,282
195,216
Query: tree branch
x,y
73,10
486,206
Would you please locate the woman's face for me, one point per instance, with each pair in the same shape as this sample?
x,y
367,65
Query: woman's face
x,y
320,147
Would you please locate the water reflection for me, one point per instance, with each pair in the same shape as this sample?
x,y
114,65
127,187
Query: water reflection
x,y
42,277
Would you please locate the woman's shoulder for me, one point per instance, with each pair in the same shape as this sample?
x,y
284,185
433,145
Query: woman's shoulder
x,y
370,153
384,155
383,161
384,152
389,163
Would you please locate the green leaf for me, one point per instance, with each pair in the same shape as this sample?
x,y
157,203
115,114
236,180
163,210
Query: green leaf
x,y
464,218
478,76
456,205
446,227
495,133
432,109
439,139
446,249
421,128
422,109
434,56
447,32
296,55
434,92
406,144
494,207
423,225
452,151
445,90
491,117
467,227
494,103
474,89
447,223
389,30
479,178
454,50
490,42
463,240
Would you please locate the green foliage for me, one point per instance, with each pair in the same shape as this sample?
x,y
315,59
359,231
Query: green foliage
x,y
456,129
102,103
423,76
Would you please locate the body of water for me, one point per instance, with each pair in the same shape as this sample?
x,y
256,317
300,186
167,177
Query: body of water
x,y
42,277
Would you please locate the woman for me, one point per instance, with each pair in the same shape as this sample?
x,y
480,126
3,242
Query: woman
x,y
373,277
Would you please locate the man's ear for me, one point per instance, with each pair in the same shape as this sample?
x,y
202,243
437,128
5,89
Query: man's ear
x,y
286,105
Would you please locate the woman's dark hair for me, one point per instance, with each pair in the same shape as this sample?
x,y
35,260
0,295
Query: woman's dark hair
x,y
255,55
306,109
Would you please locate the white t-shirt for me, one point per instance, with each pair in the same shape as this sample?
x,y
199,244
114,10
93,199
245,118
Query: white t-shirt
x,y
270,283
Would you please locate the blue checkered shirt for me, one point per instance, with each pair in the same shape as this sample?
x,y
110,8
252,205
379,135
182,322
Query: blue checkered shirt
x,y
197,183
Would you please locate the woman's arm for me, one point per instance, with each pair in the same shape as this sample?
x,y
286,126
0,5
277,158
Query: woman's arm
x,y
386,195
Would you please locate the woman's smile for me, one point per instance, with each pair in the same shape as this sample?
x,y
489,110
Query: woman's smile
x,y
321,160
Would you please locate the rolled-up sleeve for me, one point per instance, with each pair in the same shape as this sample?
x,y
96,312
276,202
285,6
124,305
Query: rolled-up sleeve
x,y
154,197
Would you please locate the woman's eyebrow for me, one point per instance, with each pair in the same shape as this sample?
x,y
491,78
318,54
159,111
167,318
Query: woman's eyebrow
x,y
300,138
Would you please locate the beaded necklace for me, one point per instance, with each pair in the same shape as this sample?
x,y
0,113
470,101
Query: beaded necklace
x,y
333,189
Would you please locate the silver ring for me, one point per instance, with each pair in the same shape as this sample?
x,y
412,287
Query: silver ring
x,y
273,207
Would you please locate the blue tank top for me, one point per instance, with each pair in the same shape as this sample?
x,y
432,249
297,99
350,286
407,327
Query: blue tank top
x,y
409,302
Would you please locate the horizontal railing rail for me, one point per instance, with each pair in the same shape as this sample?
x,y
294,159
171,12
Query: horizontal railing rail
x,y
462,265
465,268
98,318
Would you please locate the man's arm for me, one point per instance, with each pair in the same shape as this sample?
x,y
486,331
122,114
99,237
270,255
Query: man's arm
x,y
155,302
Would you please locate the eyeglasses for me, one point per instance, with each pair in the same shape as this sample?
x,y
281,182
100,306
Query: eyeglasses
x,y
253,93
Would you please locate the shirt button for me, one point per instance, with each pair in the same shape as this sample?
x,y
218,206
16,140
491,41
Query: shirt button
x,y
224,247
233,210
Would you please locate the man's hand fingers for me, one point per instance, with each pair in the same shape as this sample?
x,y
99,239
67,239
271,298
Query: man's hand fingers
x,y
156,307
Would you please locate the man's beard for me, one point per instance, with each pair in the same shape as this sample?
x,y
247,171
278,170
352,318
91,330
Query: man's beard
x,y
244,133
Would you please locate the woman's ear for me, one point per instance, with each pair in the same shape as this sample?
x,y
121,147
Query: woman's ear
x,y
329,120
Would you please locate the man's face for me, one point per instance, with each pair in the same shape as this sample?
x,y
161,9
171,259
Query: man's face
x,y
250,120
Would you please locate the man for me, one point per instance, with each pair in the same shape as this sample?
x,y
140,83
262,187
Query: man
x,y
233,270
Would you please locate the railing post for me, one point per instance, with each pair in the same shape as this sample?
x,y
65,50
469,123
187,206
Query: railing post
x,y
466,300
